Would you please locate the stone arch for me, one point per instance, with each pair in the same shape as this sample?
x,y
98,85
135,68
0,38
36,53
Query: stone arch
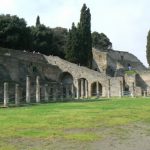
x,y
83,87
96,89
66,79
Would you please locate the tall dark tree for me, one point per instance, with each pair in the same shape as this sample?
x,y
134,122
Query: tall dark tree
x,y
148,48
38,21
72,45
101,41
85,37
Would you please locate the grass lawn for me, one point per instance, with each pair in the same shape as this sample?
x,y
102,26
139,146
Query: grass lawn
x,y
37,127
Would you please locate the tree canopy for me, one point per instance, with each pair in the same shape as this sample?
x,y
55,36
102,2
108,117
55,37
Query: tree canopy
x,y
13,32
74,45
79,41
148,48
101,41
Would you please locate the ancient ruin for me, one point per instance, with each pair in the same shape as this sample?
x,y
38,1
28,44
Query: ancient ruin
x,y
33,77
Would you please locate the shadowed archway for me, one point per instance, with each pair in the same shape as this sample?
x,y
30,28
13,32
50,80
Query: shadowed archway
x,y
66,79
96,89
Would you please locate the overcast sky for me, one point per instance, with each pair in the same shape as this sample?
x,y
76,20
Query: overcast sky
x,y
125,22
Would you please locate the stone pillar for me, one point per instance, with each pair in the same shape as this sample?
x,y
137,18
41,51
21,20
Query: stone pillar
x,y
77,89
54,92
144,93
133,89
38,89
67,91
120,89
46,93
61,92
6,96
109,88
28,92
86,89
82,88
89,90
17,94
72,91
97,89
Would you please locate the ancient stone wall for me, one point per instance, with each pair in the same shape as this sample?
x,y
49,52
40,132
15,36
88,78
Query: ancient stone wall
x,y
115,60
80,81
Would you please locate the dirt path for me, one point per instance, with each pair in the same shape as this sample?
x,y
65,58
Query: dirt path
x,y
133,137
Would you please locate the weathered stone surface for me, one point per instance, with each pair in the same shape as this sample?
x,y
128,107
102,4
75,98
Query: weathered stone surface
x,y
70,79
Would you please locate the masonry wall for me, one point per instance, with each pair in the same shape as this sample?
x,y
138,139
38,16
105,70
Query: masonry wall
x,y
115,60
116,86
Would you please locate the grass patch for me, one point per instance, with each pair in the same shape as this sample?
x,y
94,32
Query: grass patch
x,y
130,72
79,121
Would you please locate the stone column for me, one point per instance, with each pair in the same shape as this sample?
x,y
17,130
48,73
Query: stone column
x,y
97,89
61,92
28,92
77,89
133,89
6,96
82,88
144,93
86,89
120,90
67,91
46,93
72,91
109,88
54,92
17,93
38,89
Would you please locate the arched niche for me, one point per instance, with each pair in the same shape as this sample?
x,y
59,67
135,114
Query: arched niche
x,y
66,79
83,87
96,89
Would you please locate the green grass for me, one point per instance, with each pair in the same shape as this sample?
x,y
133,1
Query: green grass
x,y
131,72
79,121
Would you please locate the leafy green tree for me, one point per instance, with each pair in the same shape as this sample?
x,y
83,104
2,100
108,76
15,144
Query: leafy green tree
x,y
14,33
38,21
42,38
148,48
101,41
59,40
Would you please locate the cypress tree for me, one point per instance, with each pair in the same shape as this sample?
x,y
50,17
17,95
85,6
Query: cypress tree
x,y
79,42
148,48
85,37
38,21
72,45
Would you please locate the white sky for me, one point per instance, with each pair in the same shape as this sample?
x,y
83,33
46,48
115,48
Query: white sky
x,y
125,22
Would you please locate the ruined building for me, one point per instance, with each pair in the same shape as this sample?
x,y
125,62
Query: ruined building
x,y
40,77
